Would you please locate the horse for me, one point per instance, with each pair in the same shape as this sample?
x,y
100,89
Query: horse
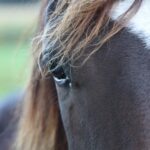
x,y
89,86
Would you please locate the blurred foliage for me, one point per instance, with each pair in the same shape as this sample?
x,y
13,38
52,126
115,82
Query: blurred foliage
x,y
13,67
17,27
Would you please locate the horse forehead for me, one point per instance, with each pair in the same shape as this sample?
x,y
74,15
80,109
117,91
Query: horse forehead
x,y
140,22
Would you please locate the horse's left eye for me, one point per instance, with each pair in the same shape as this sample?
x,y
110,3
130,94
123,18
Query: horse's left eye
x,y
60,72
60,76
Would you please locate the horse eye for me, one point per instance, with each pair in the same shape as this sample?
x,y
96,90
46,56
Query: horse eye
x,y
60,72
60,76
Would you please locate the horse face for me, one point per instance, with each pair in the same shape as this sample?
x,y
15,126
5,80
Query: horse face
x,y
105,103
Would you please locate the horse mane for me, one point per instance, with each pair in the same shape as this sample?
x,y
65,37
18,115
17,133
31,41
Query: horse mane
x,y
40,126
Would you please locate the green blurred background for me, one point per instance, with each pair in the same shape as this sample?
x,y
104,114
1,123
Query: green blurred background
x,y
17,26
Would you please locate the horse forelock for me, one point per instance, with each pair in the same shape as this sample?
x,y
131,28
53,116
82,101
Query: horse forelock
x,y
66,40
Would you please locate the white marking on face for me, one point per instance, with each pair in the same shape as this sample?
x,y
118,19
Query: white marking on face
x,y
140,23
